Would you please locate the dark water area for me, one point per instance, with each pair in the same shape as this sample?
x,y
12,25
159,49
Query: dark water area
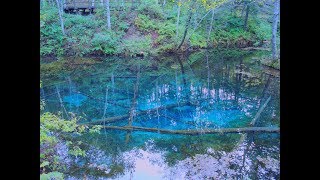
x,y
213,89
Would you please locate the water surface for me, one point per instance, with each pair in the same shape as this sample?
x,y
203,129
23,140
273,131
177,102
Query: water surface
x,y
198,91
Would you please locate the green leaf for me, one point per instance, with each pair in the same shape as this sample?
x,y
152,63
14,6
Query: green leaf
x,y
45,163
52,175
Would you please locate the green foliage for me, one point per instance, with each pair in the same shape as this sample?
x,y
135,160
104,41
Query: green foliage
x,y
77,151
86,35
51,37
231,36
52,175
137,45
167,29
151,8
144,23
84,21
167,47
95,129
51,40
261,28
123,26
49,15
54,129
198,40
105,42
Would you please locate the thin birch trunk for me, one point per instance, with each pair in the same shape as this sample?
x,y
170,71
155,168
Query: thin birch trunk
x,y
210,27
60,16
108,15
274,28
178,18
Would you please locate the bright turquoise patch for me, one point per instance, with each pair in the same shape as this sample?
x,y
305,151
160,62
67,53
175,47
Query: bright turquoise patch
x,y
75,99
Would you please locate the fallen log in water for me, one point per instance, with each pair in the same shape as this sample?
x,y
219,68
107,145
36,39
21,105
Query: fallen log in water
x,y
253,121
256,48
259,112
198,132
117,118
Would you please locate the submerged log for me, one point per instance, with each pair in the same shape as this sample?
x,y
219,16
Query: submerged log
x,y
198,132
255,48
259,112
117,118
252,123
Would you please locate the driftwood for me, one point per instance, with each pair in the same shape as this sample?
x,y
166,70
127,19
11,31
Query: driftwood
x,y
198,132
117,118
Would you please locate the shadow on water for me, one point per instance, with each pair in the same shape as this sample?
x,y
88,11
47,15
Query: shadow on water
x,y
204,90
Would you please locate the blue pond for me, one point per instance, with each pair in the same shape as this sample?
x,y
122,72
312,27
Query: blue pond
x,y
195,92
75,99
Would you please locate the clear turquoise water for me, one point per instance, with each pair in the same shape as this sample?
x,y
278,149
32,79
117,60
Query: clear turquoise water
x,y
218,97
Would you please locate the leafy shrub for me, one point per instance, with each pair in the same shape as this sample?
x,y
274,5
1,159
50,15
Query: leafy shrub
x,y
123,26
151,8
49,15
136,45
52,175
261,29
105,43
167,29
169,47
51,40
54,129
84,21
144,23
166,36
198,40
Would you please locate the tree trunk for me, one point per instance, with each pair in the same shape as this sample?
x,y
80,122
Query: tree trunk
x,y
210,27
275,20
61,102
246,18
117,118
252,123
122,4
105,105
178,18
132,4
186,29
208,72
198,132
60,16
108,15
42,3
182,72
134,105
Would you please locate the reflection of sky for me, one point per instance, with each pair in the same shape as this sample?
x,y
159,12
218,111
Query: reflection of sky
x,y
151,165
146,165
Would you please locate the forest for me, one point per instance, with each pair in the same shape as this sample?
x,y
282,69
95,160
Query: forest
x,y
159,89
155,27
